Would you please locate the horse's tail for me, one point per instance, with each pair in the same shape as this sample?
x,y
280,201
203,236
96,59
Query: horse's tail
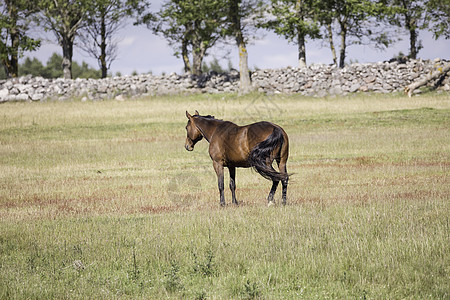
x,y
262,155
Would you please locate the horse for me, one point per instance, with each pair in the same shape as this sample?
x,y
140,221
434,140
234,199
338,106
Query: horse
x,y
256,145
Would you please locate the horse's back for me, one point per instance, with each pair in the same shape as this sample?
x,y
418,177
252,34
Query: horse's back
x,y
232,144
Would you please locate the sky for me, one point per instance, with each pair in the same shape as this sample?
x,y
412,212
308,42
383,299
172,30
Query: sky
x,y
142,51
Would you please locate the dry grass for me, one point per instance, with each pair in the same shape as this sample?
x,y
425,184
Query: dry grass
x,y
109,185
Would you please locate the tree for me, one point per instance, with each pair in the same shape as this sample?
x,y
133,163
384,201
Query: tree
x,y
14,24
64,18
356,22
439,12
32,67
412,16
85,71
215,66
191,28
242,17
54,66
104,19
53,69
295,21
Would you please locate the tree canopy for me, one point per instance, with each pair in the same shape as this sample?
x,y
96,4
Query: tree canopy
x,y
15,21
190,27
193,27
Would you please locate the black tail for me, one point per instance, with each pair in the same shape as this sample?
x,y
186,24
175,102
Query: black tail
x,y
261,153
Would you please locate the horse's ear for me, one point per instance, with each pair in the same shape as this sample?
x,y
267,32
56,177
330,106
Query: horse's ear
x,y
196,113
188,115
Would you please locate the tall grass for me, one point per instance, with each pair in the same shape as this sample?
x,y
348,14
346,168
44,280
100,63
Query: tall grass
x,y
100,199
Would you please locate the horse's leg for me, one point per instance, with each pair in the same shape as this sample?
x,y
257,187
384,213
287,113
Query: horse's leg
x,y
233,183
219,171
272,192
283,170
275,183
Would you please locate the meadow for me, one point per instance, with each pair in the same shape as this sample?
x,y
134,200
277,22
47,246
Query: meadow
x,y
101,200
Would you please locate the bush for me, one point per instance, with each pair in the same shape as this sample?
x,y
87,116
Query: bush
x,y
53,68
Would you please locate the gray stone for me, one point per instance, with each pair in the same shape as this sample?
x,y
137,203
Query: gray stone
x,y
103,88
370,79
14,91
22,97
354,87
3,94
37,97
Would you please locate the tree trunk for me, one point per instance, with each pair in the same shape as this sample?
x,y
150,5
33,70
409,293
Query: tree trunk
x,y
440,72
14,60
330,40
411,27
197,59
244,76
67,46
7,66
412,40
301,38
11,62
198,52
301,51
185,55
343,24
103,63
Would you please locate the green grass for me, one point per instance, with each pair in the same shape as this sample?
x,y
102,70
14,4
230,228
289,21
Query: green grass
x,y
100,200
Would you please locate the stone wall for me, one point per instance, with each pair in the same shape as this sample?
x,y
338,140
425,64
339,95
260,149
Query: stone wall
x,y
315,80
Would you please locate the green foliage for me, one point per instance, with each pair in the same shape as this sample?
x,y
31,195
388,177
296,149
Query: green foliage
x,y
15,19
296,21
356,23
439,13
214,65
65,18
85,71
33,67
53,68
293,18
190,27
414,15
104,19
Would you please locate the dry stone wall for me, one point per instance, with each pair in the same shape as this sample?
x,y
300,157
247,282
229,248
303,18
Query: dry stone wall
x,y
315,80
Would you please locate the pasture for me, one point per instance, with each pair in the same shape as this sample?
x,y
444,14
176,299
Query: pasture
x,y
101,200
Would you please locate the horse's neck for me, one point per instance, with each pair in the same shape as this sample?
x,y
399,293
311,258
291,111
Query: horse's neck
x,y
207,127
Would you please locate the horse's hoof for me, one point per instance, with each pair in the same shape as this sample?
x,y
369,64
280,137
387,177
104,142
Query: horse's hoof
x,y
271,203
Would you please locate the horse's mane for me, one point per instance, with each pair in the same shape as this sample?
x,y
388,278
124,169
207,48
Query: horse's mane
x,y
208,117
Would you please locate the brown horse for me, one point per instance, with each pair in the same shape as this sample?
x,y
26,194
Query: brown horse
x,y
256,145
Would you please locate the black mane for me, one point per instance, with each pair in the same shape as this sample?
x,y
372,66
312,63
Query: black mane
x,y
209,117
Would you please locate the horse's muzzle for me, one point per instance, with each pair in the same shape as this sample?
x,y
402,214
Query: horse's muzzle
x,y
188,147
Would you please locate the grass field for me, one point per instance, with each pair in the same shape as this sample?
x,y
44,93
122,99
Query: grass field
x,y
101,200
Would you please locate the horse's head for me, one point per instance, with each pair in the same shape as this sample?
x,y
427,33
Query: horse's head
x,y
193,133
